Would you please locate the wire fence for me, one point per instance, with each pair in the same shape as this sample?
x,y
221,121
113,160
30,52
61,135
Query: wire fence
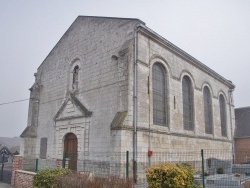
x,y
212,168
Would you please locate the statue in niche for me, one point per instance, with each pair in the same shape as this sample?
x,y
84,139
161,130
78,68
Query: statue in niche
x,y
75,78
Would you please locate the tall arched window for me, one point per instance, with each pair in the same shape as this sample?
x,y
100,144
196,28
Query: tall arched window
x,y
188,104
159,94
223,116
208,110
75,78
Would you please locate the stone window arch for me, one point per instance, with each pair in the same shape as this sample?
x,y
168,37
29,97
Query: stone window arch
x,y
208,113
223,115
159,94
188,104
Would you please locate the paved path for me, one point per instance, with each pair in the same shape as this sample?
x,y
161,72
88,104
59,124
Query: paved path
x,y
4,185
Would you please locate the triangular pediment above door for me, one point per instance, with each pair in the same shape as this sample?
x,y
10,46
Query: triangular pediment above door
x,y
72,108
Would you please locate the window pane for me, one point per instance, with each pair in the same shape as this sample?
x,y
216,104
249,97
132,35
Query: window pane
x,y
187,97
223,116
159,94
208,111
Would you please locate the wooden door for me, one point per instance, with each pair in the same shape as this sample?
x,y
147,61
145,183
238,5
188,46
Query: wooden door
x,y
70,147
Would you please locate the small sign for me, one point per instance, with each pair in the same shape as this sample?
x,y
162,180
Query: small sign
x,y
150,153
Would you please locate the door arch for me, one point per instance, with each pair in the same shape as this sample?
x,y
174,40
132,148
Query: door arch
x,y
70,149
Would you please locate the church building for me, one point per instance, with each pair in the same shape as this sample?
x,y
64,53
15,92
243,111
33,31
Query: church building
x,y
112,85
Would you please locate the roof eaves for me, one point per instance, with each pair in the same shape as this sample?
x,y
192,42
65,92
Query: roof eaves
x,y
239,137
242,108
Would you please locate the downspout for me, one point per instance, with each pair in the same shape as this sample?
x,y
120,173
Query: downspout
x,y
135,104
230,91
149,106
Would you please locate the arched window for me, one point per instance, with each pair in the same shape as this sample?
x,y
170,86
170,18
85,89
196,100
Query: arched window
x,y
208,110
159,94
188,104
75,78
223,115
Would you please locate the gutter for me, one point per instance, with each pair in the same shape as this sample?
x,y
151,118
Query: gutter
x,y
135,102
230,93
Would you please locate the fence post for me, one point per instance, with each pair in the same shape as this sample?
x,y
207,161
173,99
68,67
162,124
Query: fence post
x,y
64,159
36,165
127,164
202,165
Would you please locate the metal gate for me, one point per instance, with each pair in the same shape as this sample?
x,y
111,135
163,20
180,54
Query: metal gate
x,y
5,165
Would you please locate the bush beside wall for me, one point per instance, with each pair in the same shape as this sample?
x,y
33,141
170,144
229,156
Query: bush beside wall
x,y
88,180
170,175
46,178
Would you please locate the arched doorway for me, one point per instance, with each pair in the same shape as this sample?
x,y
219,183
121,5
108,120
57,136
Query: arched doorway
x,y
70,148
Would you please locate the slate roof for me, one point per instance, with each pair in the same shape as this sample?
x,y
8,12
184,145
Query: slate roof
x,y
242,122
29,132
119,119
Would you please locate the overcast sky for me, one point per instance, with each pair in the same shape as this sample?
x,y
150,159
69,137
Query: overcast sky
x,y
216,32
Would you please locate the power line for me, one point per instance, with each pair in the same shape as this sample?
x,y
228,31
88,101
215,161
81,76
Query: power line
x,y
92,56
13,102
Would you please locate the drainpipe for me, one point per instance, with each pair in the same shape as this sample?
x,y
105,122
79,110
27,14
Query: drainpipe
x,y
230,93
135,105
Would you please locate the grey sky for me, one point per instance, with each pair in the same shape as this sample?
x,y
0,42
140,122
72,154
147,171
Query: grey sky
x,y
216,32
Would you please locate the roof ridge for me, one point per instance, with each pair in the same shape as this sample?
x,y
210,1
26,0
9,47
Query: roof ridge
x,y
242,108
107,17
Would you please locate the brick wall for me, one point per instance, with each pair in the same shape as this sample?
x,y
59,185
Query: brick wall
x,y
23,179
242,150
17,162
59,163
20,178
16,165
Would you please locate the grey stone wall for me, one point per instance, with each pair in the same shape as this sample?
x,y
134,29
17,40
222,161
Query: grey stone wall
x,y
89,43
174,137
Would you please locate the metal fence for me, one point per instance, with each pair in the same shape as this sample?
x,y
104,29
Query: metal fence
x,y
212,168
6,172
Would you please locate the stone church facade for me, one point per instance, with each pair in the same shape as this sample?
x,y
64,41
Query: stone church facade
x,y
114,85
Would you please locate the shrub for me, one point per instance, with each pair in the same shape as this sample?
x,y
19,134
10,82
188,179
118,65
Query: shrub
x,y
46,178
206,174
170,175
86,180
220,170
197,186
